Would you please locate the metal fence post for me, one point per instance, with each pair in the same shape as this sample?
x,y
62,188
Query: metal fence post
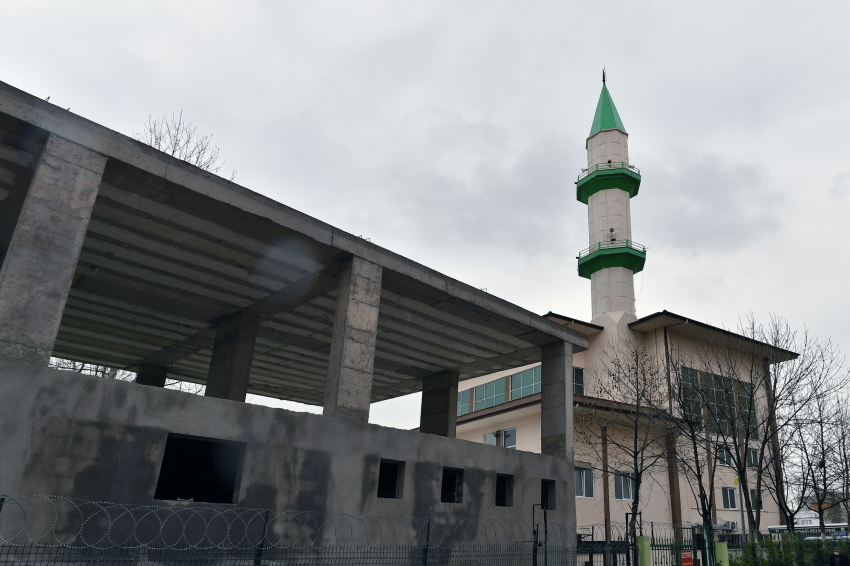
x,y
546,538
258,553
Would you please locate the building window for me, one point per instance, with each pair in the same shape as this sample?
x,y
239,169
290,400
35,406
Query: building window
x,y
729,498
525,383
547,494
578,381
491,438
509,438
691,404
624,483
451,490
724,456
490,394
463,399
721,404
755,500
584,482
391,480
199,469
747,402
752,458
504,490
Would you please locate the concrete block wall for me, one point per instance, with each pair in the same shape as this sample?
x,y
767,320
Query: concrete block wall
x,y
75,435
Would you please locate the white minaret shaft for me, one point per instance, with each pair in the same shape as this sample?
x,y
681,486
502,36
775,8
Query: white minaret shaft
x,y
611,289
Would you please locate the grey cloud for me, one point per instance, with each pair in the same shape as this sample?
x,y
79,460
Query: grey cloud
x,y
707,204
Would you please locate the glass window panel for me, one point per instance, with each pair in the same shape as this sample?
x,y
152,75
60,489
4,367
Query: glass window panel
x,y
490,438
489,389
527,378
479,397
500,386
536,374
510,438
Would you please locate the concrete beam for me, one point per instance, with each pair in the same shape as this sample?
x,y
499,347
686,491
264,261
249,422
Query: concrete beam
x,y
232,356
42,256
556,414
151,375
439,404
352,361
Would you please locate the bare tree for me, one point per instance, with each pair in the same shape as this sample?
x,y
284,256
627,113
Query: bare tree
x,y
180,139
92,369
634,380
696,455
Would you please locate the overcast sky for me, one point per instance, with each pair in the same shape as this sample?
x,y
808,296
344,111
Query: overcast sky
x,y
452,132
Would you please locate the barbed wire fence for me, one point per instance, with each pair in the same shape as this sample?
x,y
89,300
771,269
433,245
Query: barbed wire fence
x,y
41,529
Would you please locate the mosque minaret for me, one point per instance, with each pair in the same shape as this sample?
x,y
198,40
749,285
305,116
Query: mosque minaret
x,y
606,187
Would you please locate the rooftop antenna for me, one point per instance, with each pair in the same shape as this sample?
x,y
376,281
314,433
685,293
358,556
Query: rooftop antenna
x,y
603,75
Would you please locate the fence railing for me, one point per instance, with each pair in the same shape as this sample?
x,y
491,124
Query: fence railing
x,y
76,523
609,244
607,167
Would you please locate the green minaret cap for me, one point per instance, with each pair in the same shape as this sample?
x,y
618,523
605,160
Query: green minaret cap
x,y
606,117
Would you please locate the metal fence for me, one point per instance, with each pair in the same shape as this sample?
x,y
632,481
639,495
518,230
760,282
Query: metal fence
x,y
59,530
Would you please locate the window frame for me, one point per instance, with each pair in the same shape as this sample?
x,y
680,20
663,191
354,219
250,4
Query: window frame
x,y
578,381
505,438
518,387
754,499
728,460
481,397
461,403
620,484
586,482
753,461
729,497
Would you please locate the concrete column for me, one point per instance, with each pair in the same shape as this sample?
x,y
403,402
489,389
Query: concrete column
x,y
439,404
42,256
352,360
556,414
232,355
151,375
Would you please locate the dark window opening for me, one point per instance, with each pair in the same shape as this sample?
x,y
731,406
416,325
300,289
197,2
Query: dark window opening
x,y
504,490
451,490
199,469
547,494
391,480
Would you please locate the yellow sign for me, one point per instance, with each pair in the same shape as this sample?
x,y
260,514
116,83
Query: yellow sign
x,y
736,481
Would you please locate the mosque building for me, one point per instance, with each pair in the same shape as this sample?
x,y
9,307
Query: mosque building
x,y
504,408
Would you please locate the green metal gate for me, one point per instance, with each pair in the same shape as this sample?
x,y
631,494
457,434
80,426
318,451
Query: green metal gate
x,y
672,547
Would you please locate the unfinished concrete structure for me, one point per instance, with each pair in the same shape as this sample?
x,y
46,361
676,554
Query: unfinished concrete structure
x,y
115,253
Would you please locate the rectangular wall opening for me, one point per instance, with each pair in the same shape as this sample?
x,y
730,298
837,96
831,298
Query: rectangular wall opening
x,y
504,490
451,490
547,494
200,469
391,480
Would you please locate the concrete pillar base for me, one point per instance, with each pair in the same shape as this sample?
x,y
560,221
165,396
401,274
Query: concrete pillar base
x,y
152,375
439,404
233,354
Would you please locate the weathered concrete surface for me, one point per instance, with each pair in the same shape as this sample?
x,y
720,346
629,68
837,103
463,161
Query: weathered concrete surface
x,y
439,404
151,375
100,139
232,355
556,412
75,435
44,250
349,389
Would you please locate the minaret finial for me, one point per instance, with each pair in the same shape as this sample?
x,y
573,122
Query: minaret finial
x,y
603,75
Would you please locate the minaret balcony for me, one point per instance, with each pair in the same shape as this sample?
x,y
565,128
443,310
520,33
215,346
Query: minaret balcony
x,y
614,253
619,175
